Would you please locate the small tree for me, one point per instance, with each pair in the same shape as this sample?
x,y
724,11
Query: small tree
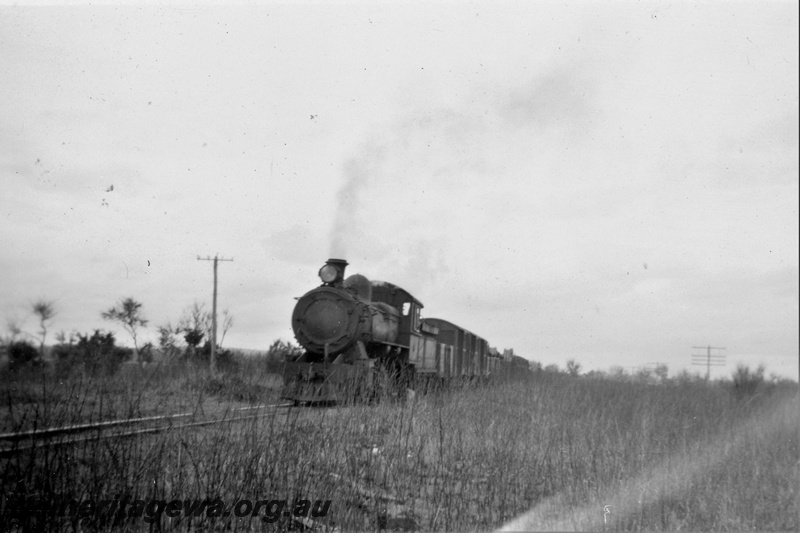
x,y
128,313
167,340
45,311
746,382
662,372
573,368
195,324
196,321
193,338
62,337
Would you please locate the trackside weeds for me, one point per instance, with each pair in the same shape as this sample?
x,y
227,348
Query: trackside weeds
x,y
121,509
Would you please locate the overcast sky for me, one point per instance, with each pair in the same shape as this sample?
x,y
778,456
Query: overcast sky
x,y
614,183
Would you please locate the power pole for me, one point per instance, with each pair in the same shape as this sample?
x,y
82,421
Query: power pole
x,y
710,360
213,361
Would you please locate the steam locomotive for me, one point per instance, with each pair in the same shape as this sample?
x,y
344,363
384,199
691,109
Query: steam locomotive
x,y
362,338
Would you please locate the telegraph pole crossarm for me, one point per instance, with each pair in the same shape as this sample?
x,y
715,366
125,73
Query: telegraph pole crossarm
x,y
708,360
213,360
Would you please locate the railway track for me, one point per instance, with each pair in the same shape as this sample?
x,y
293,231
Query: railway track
x,y
22,441
393,512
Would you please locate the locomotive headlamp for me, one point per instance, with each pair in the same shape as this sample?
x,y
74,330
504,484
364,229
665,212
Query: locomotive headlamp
x,y
328,273
333,271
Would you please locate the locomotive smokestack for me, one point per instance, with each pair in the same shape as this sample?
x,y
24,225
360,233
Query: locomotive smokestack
x,y
332,273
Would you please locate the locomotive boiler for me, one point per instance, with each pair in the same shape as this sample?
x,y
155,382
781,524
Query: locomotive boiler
x,y
339,317
363,338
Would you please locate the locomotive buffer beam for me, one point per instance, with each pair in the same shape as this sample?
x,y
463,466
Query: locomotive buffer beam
x,y
330,381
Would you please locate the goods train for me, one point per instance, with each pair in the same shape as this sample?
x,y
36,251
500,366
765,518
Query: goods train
x,y
363,338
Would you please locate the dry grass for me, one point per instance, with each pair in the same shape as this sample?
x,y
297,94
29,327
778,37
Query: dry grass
x,y
550,449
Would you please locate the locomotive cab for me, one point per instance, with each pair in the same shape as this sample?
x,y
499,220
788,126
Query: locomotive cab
x,y
408,306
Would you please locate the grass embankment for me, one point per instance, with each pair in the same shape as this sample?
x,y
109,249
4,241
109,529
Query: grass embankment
x,y
560,449
35,398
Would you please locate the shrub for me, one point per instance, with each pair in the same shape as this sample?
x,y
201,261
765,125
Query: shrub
x,y
281,351
146,353
573,368
21,353
746,382
168,342
97,355
226,359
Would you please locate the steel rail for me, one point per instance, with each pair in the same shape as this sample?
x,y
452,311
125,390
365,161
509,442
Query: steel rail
x,y
123,434
86,427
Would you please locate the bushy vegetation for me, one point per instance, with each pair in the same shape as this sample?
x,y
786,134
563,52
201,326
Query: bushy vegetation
x,y
227,362
747,382
97,354
21,354
282,351
674,457
587,451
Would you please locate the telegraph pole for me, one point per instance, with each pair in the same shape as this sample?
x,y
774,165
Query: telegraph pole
x,y
710,360
213,361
